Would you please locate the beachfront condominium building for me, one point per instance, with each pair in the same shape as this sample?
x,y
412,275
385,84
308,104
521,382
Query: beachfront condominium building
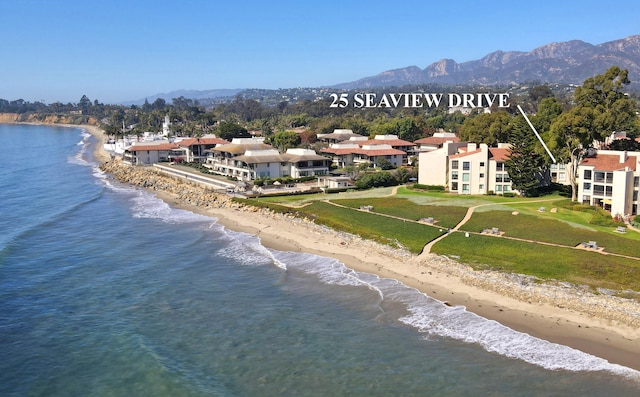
x,y
610,179
250,158
374,152
145,153
195,149
433,165
466,168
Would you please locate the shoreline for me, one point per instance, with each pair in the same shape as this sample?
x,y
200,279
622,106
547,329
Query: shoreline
x,y
453,283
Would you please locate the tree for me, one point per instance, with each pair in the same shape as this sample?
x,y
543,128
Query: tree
x,y
85,104
601,109
489,128
377,179
539,92
228,131
548,111
612,109
384,164
524,164
284,140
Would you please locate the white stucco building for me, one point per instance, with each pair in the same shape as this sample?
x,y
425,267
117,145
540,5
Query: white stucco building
x,y
250,158
610,179
466,168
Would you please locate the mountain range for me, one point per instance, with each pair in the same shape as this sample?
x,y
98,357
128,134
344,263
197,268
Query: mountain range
x,y
569,62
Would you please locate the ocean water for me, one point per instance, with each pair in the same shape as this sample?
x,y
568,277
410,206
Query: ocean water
x,y
107,291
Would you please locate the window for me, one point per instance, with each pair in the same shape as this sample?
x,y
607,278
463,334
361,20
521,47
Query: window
x,y
466,165
586,187
506,178
482,164
465,177
499,166
482,175
507,188
608,191
454,164
636,181
498,177
481,187
454,175
465,188
599,176
454,186
609,177
598,190
587,174
498,188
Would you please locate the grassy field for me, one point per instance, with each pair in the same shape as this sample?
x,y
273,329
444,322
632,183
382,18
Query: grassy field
x,y
393,221
553,231
411,235
542,261
445,216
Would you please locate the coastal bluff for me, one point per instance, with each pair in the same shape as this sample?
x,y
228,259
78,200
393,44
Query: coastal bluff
x,y
52,119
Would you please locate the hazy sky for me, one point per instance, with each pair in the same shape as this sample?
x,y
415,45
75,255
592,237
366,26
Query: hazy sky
x,y
118,50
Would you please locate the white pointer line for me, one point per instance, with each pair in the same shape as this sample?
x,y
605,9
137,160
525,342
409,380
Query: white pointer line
x,y
538,135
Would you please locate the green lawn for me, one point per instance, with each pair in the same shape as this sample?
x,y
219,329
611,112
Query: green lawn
x,y
552,231
445,216
413,236
546,262
564,227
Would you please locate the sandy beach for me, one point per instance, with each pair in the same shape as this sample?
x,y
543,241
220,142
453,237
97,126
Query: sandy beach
x,y
604,326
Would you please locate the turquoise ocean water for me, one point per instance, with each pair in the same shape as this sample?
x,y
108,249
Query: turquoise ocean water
x,y
107,291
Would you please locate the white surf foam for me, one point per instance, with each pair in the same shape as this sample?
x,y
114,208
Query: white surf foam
x,y
247,250
146,205
434,318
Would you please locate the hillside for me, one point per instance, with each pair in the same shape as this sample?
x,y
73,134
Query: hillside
x,y
568,62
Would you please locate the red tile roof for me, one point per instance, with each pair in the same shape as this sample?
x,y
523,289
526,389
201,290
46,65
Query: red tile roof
x,y
464,154
610,162
339,151
156,147
202,141
499,154
436,140
379,152
392,142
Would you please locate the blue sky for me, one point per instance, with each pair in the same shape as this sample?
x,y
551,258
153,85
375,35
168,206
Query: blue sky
x,y
118,50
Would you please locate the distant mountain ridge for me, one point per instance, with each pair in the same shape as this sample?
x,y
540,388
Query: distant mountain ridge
x,y
191,94
569,62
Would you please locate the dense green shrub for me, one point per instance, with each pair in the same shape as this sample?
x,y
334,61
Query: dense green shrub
x,y
600,217
378,179
433,188
603,218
